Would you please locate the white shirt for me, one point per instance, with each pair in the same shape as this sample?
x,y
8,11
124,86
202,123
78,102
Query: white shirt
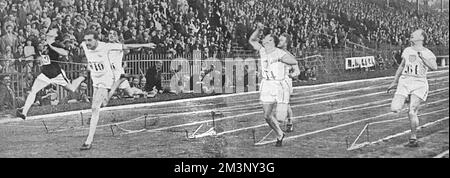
x,y
271,69
99,60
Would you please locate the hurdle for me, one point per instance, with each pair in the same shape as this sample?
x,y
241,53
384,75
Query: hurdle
x,y
355,146
211,132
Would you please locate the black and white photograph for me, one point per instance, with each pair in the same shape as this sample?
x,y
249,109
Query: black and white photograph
x,y
224,79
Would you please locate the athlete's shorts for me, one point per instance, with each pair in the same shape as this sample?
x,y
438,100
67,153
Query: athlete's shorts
x,y
61,79
103,80
413,85
274,91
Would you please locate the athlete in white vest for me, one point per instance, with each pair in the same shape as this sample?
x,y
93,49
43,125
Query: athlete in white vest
x,y
274,90
102,73
116,59
411,81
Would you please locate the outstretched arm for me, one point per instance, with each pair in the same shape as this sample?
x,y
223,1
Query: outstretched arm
x,y
133,46
254,38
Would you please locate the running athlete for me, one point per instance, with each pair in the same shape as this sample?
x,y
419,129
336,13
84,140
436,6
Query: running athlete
x,y
102,74
51,72
274,87
411,81
294,71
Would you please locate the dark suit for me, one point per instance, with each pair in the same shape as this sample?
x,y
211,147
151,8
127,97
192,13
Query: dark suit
x,y
153,77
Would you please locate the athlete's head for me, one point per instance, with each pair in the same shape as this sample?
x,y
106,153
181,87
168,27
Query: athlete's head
x,y
113,37
418,37
91,39
270,41
285,41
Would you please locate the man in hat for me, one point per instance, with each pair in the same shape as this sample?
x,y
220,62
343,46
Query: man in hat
x,y
52,73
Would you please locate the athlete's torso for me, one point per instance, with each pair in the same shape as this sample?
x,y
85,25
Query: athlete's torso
x,y
49,58
414,66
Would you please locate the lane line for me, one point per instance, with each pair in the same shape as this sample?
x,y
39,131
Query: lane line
x,y
257,112
336,111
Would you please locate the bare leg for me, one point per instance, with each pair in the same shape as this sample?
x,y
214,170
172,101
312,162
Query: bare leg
x,y
271,120
412,114
37,86
98,97
289,114
290,124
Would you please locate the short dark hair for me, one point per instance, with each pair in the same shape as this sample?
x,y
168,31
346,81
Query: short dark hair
x,y
92,32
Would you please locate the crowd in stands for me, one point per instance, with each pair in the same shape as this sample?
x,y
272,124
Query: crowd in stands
x,y
211,26
180,26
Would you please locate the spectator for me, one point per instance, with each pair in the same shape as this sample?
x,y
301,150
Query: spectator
x,y
397,56
380,62
136,88
9,39
303,77
311,73
7,61
48,96
8,99
153,78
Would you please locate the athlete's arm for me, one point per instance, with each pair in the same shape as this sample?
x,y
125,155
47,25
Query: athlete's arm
x,y
429,62
254,38
133,46
60,51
